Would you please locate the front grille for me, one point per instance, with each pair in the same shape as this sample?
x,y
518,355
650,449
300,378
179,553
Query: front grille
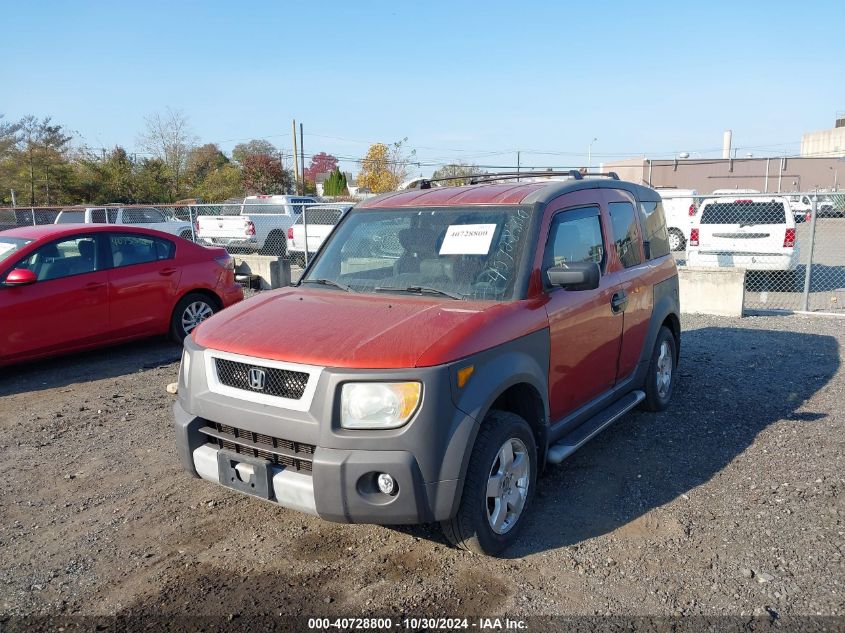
x,y
282,383
280,452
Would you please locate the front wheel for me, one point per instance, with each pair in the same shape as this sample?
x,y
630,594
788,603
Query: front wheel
x,y
499,486
661,372
192,309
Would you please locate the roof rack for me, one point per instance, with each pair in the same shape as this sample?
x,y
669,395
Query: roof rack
x,y
475,179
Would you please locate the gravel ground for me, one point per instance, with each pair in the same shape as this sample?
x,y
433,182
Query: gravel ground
x,y
730,502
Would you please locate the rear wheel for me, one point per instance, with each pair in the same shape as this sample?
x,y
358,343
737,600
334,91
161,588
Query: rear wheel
x,y
192,309
499,486
187,235
676,240
660,381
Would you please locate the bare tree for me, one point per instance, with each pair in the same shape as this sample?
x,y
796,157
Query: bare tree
x,y
169,138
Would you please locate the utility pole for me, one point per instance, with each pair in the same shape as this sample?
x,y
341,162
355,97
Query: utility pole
x,y
295,160
302,157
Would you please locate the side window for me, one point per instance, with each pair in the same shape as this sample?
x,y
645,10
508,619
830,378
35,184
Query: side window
x,y
133,216
112,216
128,250
625,233
72,256
653,221
575,236
98,216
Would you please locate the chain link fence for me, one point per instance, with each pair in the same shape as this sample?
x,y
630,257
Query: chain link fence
x,y
791,245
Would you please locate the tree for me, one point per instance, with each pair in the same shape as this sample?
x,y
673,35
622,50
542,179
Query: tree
x,y
255,147
221,184
43,147
335,184
321,163
263,174
459,172
106,179
153,181
385,166
168,137
202,161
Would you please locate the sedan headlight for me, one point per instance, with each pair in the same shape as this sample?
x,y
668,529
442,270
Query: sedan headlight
x,y
378,405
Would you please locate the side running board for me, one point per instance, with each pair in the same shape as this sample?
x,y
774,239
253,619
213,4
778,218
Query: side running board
x,y
592,427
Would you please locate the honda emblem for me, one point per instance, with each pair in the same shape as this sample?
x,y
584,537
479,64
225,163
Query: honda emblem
x,y
257,378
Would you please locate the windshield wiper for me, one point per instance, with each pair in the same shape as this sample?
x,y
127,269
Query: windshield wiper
x,y
419,290
328,282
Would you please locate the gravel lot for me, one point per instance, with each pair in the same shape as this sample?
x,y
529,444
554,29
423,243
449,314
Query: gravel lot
x,y
731,502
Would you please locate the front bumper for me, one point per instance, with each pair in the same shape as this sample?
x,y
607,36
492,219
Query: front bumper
x,y
426,458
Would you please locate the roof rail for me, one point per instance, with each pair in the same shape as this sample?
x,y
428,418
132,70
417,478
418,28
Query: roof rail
x,y
475,179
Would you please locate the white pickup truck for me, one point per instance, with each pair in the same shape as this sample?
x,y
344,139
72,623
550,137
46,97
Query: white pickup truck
x,y
261,225
145,217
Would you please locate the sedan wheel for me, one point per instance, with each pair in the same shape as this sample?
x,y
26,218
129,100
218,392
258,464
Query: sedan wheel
x,y
192,309
194,314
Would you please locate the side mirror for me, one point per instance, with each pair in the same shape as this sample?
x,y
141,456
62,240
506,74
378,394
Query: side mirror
x,y
20,277
575,276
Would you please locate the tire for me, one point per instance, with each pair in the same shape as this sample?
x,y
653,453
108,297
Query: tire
x,y
187,235
194,306
275,244
472,526
677,242
657,392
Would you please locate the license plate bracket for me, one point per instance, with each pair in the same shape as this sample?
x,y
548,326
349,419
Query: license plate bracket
x,y
246,474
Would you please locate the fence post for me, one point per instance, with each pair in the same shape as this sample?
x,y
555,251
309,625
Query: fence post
x,y
32,210
191,220
305,230
808,271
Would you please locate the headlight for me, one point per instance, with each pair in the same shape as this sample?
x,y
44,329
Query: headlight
x,y
185,367
378,405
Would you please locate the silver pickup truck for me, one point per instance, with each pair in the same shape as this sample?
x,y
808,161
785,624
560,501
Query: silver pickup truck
x,y
261,225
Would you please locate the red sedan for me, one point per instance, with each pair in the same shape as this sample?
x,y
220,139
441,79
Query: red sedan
x,y
65,288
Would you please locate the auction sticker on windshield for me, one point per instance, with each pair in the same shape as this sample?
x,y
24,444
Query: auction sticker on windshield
x,y
468,239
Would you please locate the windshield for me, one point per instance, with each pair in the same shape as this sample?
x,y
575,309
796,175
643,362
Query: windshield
x,y
9,245
463,252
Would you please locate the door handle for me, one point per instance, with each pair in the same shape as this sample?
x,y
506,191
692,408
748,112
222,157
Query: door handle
x,y
95,285
167,271
619,301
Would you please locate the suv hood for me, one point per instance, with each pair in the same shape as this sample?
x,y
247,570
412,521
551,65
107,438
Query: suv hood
x,y
332,328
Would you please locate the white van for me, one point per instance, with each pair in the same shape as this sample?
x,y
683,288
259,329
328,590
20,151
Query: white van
x,y
679,207
751,232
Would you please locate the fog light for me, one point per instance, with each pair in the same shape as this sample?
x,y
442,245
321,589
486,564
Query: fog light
x,y
386,484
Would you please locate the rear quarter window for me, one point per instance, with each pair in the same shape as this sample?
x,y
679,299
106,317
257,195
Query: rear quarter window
x,y
625,234
653,220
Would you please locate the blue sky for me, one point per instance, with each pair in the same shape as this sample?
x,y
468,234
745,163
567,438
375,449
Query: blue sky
x,y
463,81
